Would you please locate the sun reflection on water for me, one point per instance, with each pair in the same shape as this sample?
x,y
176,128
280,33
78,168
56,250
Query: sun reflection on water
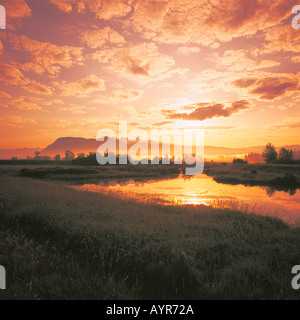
x,y
203,190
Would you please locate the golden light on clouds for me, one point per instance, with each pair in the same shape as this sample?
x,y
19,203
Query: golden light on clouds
x,y
72,67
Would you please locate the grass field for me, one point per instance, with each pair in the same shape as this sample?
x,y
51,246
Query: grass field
x,y
73,173
278,176
60,243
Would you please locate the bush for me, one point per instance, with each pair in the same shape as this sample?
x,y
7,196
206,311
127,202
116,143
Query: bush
x,y
239,161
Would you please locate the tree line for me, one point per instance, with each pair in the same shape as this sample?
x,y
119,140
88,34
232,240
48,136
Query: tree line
x,y
270,155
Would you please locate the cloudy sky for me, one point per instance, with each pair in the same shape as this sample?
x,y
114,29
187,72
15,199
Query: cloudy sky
x,y
73,67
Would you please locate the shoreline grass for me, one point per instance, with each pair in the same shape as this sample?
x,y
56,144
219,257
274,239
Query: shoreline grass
x,y
59,243
280,177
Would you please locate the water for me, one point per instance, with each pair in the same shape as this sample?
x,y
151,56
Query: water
x,y
203,190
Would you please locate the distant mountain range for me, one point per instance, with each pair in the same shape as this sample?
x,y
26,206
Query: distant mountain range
x,y
82,145
76,145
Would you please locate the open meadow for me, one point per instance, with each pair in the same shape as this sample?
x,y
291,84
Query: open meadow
x,y
60,243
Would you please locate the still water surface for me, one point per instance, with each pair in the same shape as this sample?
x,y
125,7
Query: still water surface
x,y
203,190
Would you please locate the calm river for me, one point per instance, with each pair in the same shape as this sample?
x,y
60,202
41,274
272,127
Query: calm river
x,y
203,190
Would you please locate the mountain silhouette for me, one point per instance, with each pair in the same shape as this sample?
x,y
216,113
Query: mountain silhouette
x,y
83,145
76,145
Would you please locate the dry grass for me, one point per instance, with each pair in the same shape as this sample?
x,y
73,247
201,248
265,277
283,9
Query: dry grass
x,y
59,243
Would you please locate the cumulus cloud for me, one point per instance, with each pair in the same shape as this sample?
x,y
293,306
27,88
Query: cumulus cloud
x,y
188,50
148,17
4,95
25,105
83,87
16,11
238,17
103,9
244,83
203,111
120,96
187,21
74,109
162,123
123,41
45,56
16,8
38,88
205,22
282,37
15,121
23,102
142,60
270,88
67,5
99,38
240,60
10,75
296,59
125,95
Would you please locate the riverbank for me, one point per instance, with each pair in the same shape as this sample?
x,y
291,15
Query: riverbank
x,y
281,177
69,172
59,243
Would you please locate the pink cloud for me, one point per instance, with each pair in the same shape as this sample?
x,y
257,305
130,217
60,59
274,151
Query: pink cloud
x,y
10,75
45,56
203,111
4,95
142,60
205,22
103,9
35,87
120,96
282,38
16,8
83,87
99,38
272,87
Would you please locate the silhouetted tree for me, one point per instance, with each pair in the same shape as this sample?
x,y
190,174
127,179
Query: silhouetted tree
x,y
286,155
37,153
87,160
57,157
69,155
80,155
269,153
239,161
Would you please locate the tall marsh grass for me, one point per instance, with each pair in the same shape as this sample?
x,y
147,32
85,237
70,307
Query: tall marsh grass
x,y
60,243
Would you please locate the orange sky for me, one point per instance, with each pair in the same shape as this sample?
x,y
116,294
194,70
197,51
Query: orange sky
x,y
73,67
